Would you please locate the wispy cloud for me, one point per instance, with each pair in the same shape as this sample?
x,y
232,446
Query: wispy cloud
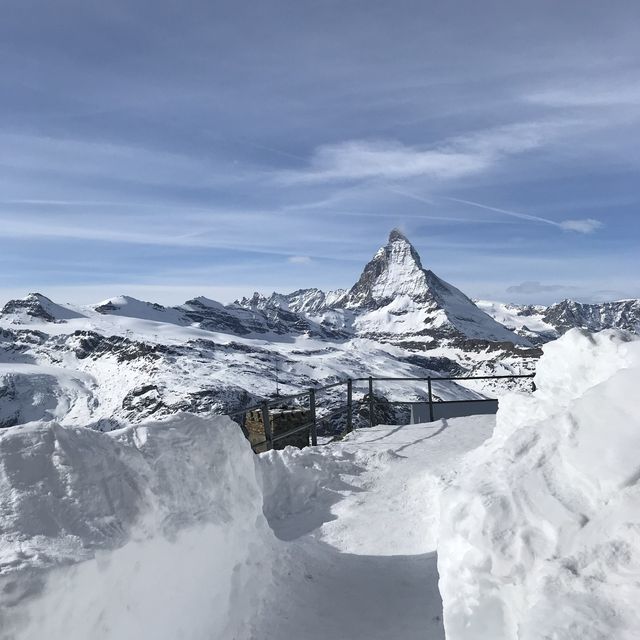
x,y
595,93
300,260
452,158
364,159
587,225
217,229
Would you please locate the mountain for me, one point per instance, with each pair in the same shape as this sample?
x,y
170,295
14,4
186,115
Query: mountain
x,y
36,307
395,300
541,323
123,360
108,371
307,301
214,316
394,271
622,314
394,289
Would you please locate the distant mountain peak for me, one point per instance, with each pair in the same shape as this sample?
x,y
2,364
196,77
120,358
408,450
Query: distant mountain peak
x,y
394,296
256,301
37,307
395,284
395,270
397,236
34,295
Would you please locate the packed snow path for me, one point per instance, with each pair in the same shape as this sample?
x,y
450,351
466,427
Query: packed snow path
x,y
359,519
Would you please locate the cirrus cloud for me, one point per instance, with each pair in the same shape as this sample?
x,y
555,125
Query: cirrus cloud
x,y
299,259
588,225
455,157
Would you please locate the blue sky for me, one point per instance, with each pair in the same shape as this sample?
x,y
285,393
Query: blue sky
x,y
168,149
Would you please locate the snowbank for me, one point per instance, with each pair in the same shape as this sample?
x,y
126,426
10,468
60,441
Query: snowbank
x,y
300,486
154,531
292,479
540,528
31,393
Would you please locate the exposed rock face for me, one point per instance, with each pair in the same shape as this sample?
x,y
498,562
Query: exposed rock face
x,y
395,270
568,314
212,315
89,344
37,307
306,301
541,324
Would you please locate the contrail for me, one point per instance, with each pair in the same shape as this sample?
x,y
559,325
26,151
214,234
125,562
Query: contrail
x,y
408,194
514,214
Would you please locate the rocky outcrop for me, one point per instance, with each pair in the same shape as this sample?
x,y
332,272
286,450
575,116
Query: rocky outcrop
x,y
542,324
568,314
36,307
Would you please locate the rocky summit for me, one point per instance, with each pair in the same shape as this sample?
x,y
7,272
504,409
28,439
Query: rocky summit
x,y
396,300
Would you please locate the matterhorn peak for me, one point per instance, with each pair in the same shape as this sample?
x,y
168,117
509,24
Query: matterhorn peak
x,y
395,281
397,236
400,250
395,270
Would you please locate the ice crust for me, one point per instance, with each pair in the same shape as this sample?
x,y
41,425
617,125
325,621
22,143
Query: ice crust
x,y
540,527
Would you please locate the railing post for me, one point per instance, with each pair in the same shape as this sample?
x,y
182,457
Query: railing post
x,y
430,399
371,403
268,435
243,424
314,426
349,405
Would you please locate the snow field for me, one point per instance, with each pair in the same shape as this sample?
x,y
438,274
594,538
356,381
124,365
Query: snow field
x,y
540,527
174,529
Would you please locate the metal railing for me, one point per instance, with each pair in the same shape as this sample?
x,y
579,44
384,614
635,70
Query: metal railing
x,y
368,400
315,419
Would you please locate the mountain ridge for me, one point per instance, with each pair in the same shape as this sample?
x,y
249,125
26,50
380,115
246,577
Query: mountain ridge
x,y
395,300
122,360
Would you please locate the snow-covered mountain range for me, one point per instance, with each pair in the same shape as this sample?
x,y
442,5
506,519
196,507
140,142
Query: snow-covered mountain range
x,y
541,324
395,300
123,360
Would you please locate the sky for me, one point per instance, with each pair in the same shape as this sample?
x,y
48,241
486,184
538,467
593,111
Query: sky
x,y
166,149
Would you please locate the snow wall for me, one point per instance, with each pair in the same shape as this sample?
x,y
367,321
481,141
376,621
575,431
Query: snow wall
x,y
153,531
540,527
